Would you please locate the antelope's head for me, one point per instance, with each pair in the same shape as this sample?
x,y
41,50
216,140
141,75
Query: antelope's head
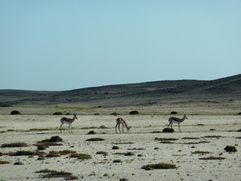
x,y
185,116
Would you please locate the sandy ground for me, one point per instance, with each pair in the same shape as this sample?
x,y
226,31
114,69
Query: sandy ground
x,y
140,141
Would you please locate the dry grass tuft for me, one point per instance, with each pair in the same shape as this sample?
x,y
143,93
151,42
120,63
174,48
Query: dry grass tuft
x,y
57,174
3,162
190,138
168,130
159,166
102,153
117,161
201,152
213,136
165,139
53,154
212,158
123,143
91,132
53,141
18,144
125,153
230,149
95,139
80,156
22,153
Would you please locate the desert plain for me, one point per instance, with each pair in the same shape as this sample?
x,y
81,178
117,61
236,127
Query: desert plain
x,y
196,152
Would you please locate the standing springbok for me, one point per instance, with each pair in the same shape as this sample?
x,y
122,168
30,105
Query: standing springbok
x,y
65,120
122,122
176,120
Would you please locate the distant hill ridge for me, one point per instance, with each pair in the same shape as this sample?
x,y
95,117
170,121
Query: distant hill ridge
x,y
146,93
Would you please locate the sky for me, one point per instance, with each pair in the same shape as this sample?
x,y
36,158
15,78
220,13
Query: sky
x,y
71,44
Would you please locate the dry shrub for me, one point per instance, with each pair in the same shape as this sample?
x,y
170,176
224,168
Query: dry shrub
x,y
174,113
103,127
115,147
53,141
133,112
57,174
57,113
168,130
3,162
190,138
114,114
117,161
159,166
18,144
91,132
102,153
213,136
80,156
22,153
201,152
95,139
15,112
53,154
230,149
165,139
212,158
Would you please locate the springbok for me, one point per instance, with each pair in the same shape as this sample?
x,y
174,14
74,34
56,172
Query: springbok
x,y
176,120
122,122
65,120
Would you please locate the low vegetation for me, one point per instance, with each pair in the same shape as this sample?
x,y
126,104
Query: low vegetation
x,y
17,144
168,130
91,132
57,113
95,139
201,152
123,143
22,153
230,149
174,112
101,153
80,156
213,136
212,158
135,148
57,174
190,138
15,112
53,141
117,161
159,166
3,162
133,112
115,147
196,143
53,154
165,139
124,153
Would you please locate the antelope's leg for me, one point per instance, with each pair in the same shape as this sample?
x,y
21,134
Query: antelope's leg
x,y
116,128
119,128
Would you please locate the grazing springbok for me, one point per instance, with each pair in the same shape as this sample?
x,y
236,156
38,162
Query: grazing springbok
x,y
122,122
176,120
65,120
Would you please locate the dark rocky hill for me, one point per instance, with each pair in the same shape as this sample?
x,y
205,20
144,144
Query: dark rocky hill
x,y
148,93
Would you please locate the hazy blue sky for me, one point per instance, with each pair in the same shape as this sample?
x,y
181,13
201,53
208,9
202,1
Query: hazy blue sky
x,y
69,44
